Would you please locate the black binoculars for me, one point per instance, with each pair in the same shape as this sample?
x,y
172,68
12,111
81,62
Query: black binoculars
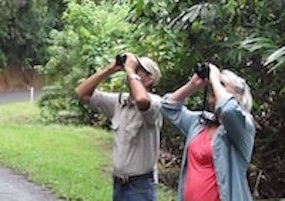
x,y
121,59
202,70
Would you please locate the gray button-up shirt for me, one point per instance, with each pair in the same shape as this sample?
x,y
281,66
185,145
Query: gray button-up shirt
x,y
136,133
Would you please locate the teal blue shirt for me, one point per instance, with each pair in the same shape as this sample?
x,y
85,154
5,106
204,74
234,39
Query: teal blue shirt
x,y
232,144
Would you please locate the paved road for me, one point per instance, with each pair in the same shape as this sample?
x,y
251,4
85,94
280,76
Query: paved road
x,y
15,187
17,96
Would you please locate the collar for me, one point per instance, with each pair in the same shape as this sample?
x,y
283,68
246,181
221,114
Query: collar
x,y
126,100
208,117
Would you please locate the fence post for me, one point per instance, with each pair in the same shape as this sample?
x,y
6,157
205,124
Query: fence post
x,y
31,94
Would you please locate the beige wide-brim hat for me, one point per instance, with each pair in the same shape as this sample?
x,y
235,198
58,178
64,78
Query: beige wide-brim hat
x,y
150,66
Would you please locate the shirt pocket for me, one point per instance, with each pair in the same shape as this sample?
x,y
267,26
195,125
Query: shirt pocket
x,y
131,132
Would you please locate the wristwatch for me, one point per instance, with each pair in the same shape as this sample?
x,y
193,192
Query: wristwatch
x,y
134,77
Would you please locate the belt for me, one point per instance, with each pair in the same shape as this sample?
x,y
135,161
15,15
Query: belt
x,y
123,179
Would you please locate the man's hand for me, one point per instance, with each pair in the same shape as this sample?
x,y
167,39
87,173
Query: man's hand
x,y
197,82
131,63
113,68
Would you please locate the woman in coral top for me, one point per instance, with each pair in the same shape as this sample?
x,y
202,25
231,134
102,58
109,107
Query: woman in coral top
x,y
218,149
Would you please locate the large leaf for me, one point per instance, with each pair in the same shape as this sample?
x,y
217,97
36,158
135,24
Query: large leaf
x,y
255,44
188,16
275,56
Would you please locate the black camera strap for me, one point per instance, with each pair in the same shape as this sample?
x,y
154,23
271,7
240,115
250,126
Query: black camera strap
x,y
206,119
123,81
203,119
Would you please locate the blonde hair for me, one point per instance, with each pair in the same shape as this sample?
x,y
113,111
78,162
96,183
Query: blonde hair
x,y
241,89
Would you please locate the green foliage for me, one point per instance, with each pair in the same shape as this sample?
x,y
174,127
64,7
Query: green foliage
x,y
60,106
92,35
278,57
24,26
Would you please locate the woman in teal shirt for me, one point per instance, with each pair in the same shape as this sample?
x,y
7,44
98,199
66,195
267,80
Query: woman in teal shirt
x,y
232,138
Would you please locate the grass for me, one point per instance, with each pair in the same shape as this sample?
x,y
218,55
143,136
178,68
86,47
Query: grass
x,y
75,162
19,113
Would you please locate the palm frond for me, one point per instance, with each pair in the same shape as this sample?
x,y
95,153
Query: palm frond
x,y
276,55
257,43
185,18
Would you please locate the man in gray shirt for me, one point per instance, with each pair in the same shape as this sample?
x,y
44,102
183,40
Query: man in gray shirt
x,y
136,123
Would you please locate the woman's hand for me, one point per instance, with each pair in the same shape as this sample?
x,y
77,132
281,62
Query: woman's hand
x,y
215,79
215,73
189,88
